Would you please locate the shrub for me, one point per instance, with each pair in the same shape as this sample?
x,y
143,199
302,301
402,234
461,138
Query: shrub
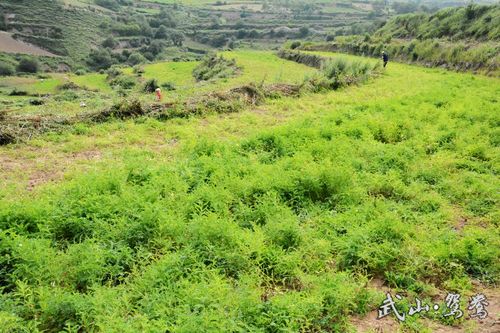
x,y
3,23
80,72
6,69
138,70
16,92
100,59
161,33
68,86
295,45
109,4
168,86
110,42
123,81
28,65
136,58
150,86
214,67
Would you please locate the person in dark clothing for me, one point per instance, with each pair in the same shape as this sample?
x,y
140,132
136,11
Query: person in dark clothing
x,y
385,58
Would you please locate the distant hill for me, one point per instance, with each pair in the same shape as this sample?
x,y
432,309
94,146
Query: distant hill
x,y
474,22
464,39
65,31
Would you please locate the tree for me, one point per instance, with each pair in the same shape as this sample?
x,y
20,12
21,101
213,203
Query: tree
x,y
109,4
177,38
110,42
100,59
253,34
136,58
155,48
28,65
3,22
304,31
242,33
162,32
167,19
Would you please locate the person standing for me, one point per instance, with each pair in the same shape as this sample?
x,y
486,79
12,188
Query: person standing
x,y
385,58
158,94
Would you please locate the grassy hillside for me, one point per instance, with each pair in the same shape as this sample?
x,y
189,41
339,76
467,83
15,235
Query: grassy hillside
x,y
471,22
465,39
273,219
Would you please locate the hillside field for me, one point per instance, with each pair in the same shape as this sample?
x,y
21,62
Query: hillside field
x,y
257,66
295,215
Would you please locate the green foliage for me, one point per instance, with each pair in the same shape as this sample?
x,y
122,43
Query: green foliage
x,y
295,45
272,220
109,4
3,23
6,69
123,81
100,59
28,65
150,86
336,72
136,59
214,67
463,39
473,21
110,42
168,86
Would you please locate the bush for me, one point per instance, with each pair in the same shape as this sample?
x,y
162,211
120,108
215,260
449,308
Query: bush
x,y
150,86
110,42
136,58
214,67
16,92
161,33
109,4
68,86
80,72
100,59
6,69
123,81
138,70
3,23
168,86
28,65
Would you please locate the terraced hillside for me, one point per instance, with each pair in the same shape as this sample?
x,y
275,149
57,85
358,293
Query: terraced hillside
x,y
157,30
466,39
52,26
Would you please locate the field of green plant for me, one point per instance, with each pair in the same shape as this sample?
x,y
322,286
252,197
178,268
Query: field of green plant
x,y
256,66
285,217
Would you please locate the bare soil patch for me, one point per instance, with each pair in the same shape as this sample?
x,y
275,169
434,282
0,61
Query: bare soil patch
x,y
10,45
